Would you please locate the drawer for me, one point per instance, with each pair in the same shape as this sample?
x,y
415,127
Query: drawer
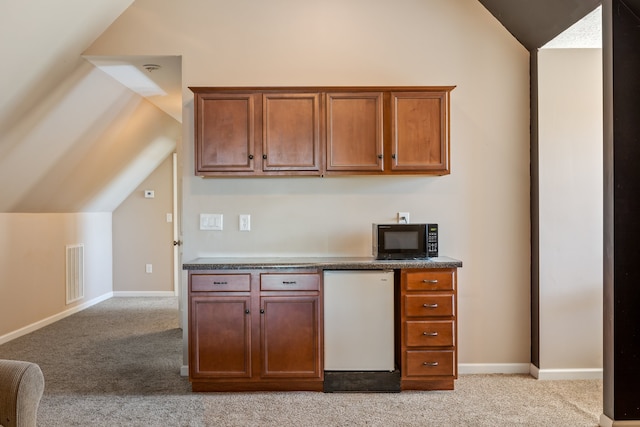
x,y
424,280
220,282
428,305
429,333
289,282
425,363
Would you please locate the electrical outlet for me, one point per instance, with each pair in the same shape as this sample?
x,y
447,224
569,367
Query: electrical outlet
x,y
403,218
148,268
245,222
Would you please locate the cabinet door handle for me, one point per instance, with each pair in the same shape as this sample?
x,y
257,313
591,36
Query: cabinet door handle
x,y
250,156
430,281
379,156
430,363
284,282
246,311
264,156
219,283
430,334
430,305
393,156
262,311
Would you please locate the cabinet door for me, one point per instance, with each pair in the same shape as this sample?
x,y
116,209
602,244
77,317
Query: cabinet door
x,y
291,337
291,132
220,337
354,131
225,132
420,140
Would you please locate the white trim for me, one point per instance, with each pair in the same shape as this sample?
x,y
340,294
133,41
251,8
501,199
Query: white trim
x,y
534,371
175,228
184,371
144,294
566,374
493,368
605,421
52,319
608,422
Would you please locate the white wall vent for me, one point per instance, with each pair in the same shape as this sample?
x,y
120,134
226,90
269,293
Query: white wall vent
x,y
75,273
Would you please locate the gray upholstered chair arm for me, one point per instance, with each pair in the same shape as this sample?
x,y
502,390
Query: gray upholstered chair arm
x,y
21,388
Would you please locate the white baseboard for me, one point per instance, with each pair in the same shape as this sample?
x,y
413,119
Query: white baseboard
x,y
493,368
52,319
566,374
184,371
144,294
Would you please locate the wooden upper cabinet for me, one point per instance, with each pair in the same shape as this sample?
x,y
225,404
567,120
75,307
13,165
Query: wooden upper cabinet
x,y
291,132
355,131
225,132
420,131
375,130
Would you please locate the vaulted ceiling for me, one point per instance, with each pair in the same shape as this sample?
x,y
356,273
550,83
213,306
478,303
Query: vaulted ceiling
x,y
72,139
536,22
51,131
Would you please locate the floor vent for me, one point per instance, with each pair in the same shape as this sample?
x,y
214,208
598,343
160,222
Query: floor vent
x,y
75,273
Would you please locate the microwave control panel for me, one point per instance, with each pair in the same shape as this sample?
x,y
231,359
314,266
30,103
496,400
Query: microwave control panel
x,y
432,240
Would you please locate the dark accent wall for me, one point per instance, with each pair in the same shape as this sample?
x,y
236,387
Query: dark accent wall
x,y
622,210
535,217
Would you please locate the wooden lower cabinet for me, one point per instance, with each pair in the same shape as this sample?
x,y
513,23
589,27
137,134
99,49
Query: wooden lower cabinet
x,y
428,329
252,330
221,337
255,330
289,337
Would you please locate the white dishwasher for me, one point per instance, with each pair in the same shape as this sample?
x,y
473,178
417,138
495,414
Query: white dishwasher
x,y
358,320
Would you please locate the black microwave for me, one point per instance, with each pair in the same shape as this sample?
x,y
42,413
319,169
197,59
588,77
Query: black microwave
x,y
405,241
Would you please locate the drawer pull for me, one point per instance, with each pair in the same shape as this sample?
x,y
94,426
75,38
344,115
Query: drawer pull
x,y
430,363
246,311
430,305
285,282
433,281
430,334
219,283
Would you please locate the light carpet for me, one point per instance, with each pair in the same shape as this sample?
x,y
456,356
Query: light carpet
x,y
118,364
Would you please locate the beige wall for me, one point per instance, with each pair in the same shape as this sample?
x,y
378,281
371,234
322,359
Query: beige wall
x,y
142,235
570,151
32,266
482,207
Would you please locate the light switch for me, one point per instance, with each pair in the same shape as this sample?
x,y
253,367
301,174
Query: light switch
x,y
210,221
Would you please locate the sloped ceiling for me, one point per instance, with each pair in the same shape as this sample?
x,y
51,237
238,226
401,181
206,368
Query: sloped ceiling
x,y
72,140
42,42
536,22
586,33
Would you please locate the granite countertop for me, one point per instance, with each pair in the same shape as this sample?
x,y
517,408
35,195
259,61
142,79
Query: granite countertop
x,y
325,263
